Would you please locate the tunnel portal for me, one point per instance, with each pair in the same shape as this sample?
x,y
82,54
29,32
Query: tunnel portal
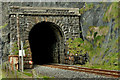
x,y
46,28
44,39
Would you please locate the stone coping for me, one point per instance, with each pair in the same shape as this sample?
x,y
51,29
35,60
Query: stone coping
x,y
44,10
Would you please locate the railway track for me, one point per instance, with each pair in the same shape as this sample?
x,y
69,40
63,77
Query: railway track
x,y
108,73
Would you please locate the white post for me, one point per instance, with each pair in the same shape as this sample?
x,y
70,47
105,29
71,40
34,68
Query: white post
x,y
22,55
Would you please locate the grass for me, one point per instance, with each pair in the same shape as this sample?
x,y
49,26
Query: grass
x,y
8,76
13,75
96,66
47,78
28,74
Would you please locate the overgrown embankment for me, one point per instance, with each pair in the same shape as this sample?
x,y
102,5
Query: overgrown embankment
x,y
8,73
99,23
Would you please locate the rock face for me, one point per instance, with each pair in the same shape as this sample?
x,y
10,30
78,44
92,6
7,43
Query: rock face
x,y
94,17
91,17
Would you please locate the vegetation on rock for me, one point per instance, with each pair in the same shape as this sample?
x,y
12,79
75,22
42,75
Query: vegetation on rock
x,y
94,46
104,40
86,7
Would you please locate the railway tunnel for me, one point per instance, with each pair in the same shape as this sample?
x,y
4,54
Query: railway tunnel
x,y
45,39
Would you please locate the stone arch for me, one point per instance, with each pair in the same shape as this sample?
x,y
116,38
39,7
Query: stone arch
x,y
52,49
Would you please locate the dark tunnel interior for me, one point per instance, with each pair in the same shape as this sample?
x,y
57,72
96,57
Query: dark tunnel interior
x,y
42,39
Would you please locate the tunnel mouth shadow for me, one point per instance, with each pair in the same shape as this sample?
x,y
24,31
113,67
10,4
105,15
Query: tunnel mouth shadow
x,y
44,39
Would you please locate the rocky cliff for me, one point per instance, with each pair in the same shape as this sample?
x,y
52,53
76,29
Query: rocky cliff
x,y
103,19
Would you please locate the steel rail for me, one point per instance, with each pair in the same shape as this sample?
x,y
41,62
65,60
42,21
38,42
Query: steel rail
x,y
108,73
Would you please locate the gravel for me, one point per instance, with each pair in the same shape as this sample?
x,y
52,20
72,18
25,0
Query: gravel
x,y
61,73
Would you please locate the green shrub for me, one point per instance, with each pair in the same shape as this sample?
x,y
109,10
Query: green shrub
x,y
15,50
